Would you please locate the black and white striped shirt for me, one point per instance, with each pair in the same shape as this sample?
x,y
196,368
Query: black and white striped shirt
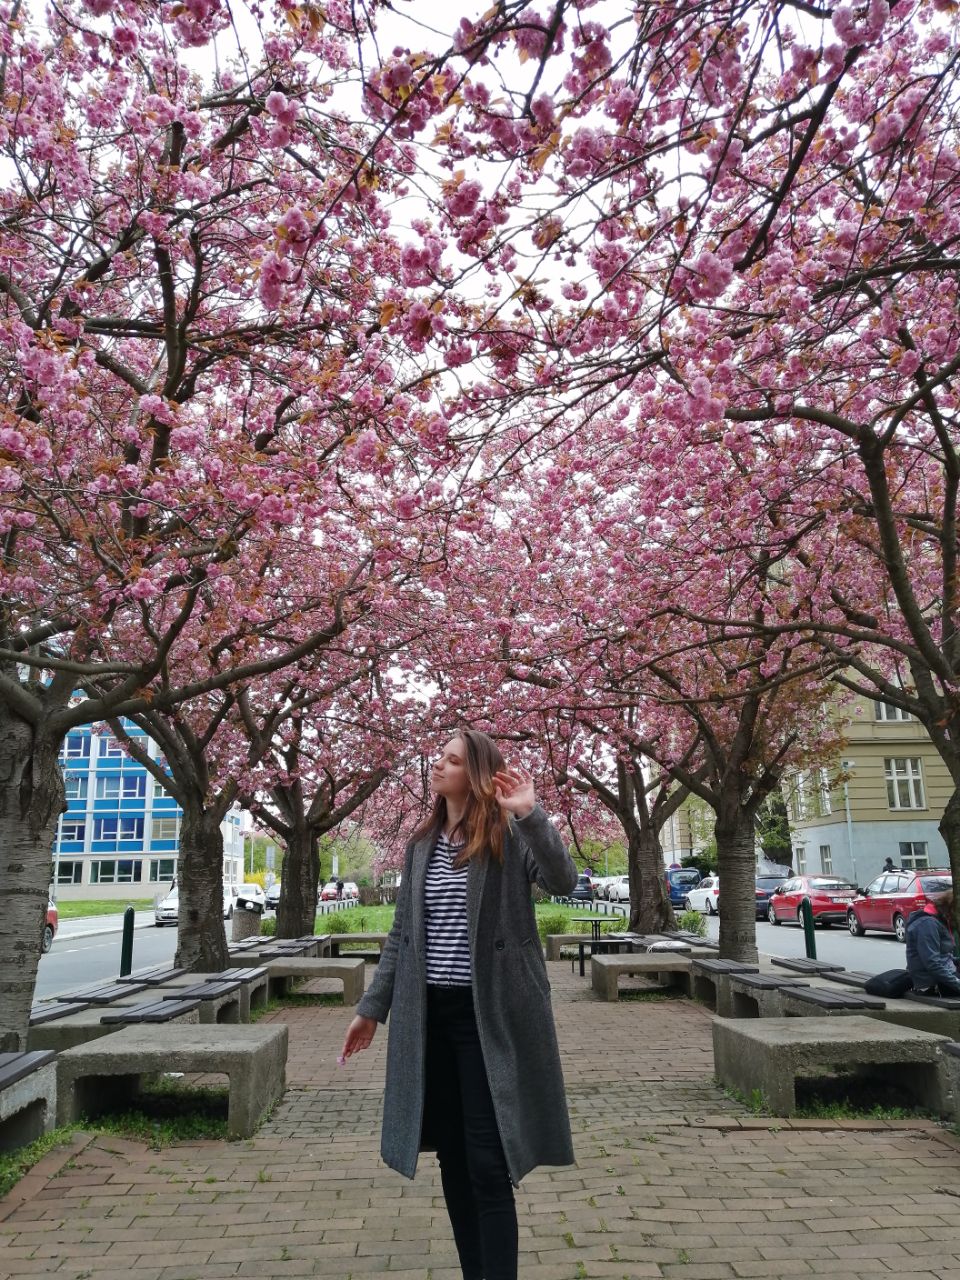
x,y
445,912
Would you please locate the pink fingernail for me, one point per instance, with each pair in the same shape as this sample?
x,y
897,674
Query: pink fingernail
x,y
341,1061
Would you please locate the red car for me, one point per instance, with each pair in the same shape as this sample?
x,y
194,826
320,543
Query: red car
x,y
830,897
49,928
886,903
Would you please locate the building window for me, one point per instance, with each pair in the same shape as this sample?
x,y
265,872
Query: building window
x,y
904,783
77,747
126,786
123,827
159,790
71,829
800,856
826,860
110,748
826,804
130,828
913,855
75,786
116,871
105,828
884,711
69,872
165,829
162,869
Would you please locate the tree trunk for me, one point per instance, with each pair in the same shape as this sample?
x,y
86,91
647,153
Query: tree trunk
x,y
737,861
950,830
297,912
201,939
650,907
31,801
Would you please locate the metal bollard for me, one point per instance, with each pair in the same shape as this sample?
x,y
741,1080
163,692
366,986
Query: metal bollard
x,y
126,946
806,911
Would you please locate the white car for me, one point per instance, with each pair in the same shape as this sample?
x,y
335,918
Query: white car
x,y
229,900
705,897
601,887
167,909
619,889
252,893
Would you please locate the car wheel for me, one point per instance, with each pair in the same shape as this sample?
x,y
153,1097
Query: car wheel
x,y
900,927
854,925
687,904
46,940
711,909
772,916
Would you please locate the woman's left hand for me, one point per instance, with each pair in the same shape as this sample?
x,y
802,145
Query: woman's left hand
x,y
514,791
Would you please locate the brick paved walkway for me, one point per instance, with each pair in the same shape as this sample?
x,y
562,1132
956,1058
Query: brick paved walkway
x,y
672,1180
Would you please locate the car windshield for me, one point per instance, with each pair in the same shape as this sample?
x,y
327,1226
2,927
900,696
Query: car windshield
x,y
820,882
685,877
250,888
769,882
935,884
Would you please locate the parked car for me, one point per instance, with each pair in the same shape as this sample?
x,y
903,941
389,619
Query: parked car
x,y
602,886
166,910
273,896
705,897
766,885
49,927
583,889
250,897
329,892
885,904
679,881
619,889
229,900
830,899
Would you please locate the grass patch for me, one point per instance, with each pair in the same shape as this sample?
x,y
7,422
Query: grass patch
x,y
167,1111
692,922
357,920
852,1097
100,907
14,1164
297,1000
753,1101
653,996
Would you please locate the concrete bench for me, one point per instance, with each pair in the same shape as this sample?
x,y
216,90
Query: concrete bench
x,y
28,1097
769,1054
818,1001
244,989
253,1058
669,970
708,981
338,940
285,970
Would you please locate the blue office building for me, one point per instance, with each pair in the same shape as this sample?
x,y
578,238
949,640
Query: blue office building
x,y
120,836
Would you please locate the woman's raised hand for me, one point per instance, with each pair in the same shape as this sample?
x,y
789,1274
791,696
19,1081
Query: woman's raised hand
x,y
514,791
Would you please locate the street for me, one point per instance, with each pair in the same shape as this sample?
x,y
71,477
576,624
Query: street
x,y
871,954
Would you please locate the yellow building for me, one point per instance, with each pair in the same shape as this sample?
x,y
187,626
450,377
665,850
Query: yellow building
x,y
883,798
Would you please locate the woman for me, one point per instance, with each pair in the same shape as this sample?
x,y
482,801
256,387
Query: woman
x,y
473,1068
931,958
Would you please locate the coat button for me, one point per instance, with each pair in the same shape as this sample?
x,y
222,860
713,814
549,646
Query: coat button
x,y
499,944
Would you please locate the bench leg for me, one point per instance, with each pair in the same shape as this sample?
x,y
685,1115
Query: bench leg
x,y
255,1086
353,985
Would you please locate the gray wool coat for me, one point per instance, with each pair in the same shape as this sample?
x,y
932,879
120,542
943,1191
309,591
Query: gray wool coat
x,y
511,997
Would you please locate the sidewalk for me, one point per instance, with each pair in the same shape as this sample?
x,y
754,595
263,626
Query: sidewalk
x,y
673,1179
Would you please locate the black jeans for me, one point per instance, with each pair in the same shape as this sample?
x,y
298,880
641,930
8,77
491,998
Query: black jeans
x,y
459,1111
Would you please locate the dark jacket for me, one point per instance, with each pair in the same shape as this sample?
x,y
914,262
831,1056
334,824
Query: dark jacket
x,y
930,952
511,996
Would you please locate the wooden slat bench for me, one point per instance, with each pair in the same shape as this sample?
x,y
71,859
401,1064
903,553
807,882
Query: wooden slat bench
x,y
28,1097
769,1054
153,977
799,965
708,981
249,988
52,1010
759,995
253,1058
817,1001
220,998
105,994
847,977
175,1010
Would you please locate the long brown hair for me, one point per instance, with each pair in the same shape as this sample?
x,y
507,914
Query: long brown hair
x,y
484,823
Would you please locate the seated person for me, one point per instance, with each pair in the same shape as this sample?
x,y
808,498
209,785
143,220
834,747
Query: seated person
x,y
931,959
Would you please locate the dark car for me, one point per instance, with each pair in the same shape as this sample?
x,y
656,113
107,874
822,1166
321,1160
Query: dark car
x,y
830,899
766,885
886,903
679,881
583,889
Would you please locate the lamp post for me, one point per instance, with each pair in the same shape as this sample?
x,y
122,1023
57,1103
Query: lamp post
x,y
846,765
